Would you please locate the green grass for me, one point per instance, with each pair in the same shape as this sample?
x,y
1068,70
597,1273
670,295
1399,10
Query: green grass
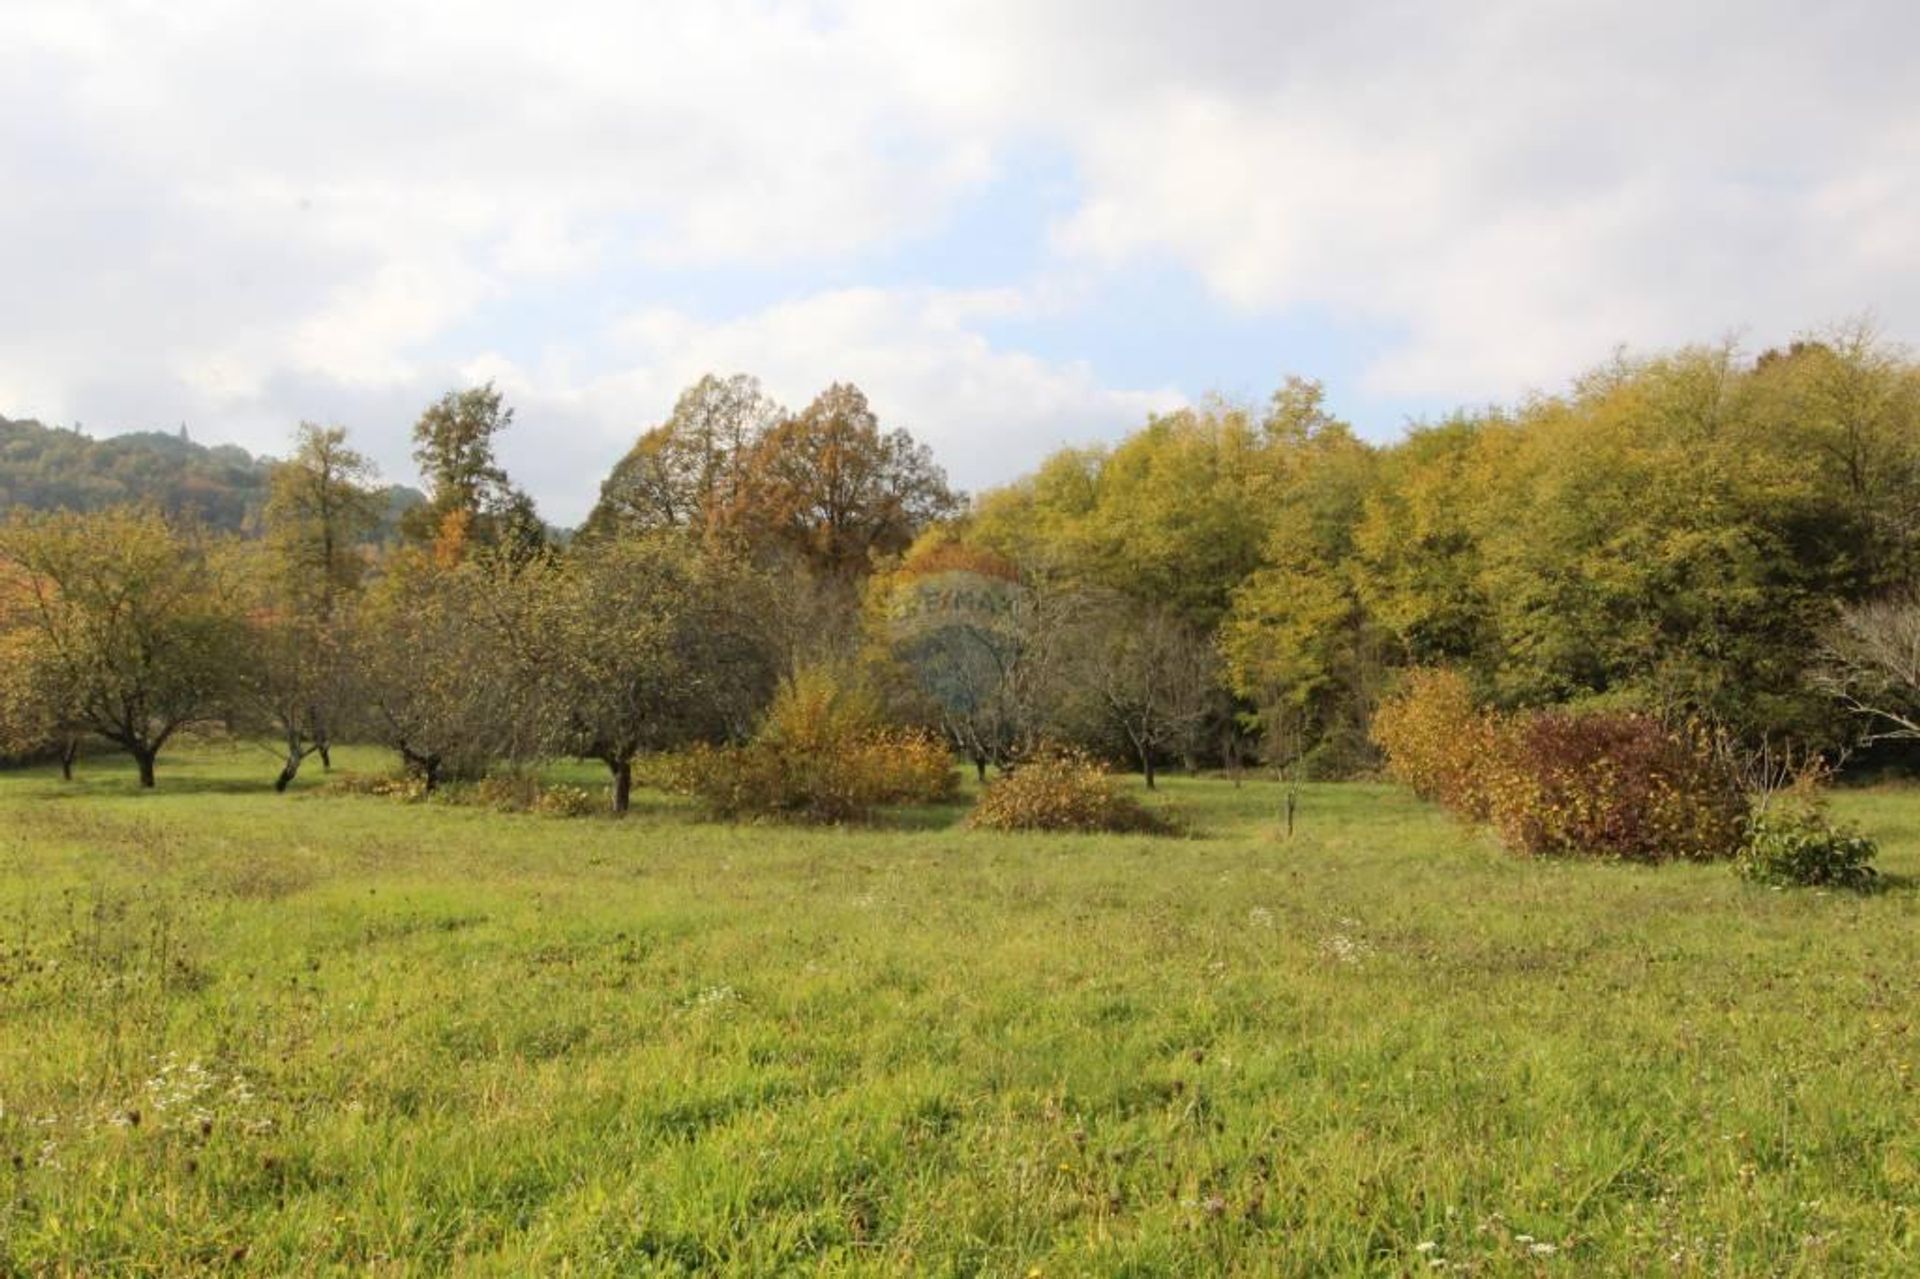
x,y
367,1036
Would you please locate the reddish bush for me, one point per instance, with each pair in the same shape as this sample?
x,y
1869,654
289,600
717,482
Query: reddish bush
x,y
1614,785
1562,783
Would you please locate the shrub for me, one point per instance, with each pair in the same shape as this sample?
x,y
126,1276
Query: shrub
x,y
405,787
513,793
1611,784
1797,845
569,801
1438,742
822,755
1068,792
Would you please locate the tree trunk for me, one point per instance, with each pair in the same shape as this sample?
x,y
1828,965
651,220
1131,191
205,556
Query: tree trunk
x,y
290,769
69,751
622,785
980,768
1146,766
145,758
326,755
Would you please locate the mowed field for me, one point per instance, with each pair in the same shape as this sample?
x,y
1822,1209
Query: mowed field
x,y
309,1034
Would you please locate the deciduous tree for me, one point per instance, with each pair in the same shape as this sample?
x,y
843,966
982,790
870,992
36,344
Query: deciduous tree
x,y
834,489
129,626
687,473
643,644
471,505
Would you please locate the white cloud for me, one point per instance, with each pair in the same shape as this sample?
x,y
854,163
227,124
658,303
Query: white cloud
x,y
988,413
1515,187
241,214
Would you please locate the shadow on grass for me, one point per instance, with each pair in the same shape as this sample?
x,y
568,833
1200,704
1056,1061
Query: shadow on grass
x,y
922,817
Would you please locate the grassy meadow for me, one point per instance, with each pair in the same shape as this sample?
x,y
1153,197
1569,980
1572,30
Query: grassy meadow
x,y
310,1034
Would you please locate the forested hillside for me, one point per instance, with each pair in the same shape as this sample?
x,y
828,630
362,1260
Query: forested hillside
x,y
47,468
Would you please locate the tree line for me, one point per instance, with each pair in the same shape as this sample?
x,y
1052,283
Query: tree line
x,y
1728,541
727,553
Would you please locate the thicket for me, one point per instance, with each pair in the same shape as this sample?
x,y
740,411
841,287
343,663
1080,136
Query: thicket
x,y
1064,790
1565,783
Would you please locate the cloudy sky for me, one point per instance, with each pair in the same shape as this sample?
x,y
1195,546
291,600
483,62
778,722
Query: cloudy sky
x,y
1015,223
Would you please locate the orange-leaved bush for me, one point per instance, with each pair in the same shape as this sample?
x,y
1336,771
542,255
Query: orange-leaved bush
x,y
1438,741
1065,791
822,754
1564,783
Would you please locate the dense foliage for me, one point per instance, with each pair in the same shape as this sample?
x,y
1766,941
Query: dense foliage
x,y
1675,534
823,754
1586,783
1613,784
1799,845
1694,538
1439,742
1064,791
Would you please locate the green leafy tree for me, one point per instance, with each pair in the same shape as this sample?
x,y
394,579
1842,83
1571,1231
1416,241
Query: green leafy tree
x,y
37,711
439,662
323,508
471,504
300,587
131,629
644,644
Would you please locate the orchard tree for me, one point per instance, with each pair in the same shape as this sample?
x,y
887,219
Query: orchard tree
x,y
643,644
1149,674
37,715
131,629
300,589
981,648
295,682
438,658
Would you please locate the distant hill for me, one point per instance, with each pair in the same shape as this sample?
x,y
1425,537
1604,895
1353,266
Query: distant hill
x,y
48,468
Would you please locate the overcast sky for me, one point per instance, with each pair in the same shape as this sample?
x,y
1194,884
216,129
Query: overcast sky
x,y
1015,223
